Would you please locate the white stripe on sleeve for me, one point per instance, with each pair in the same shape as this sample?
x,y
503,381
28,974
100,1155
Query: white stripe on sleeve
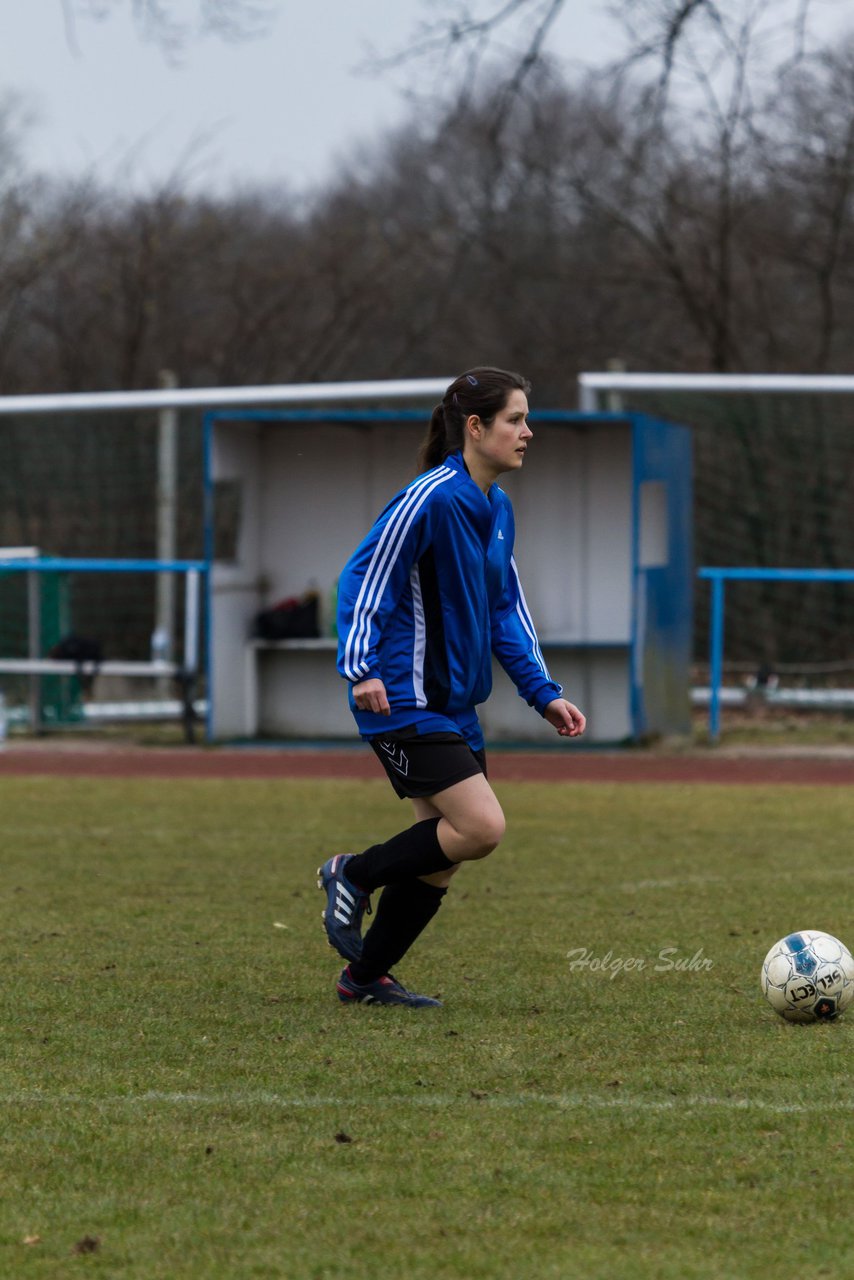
x,y
527,622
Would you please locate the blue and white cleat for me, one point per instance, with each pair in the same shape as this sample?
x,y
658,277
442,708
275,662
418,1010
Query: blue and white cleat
x,y
345,906
386,990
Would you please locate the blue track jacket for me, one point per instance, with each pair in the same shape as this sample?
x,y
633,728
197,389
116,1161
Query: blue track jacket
x,y
426,599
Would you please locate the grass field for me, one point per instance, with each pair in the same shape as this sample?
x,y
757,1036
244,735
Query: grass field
x,y
180,1086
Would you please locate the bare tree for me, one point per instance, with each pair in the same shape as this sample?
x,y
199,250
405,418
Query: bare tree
x,y
456,41
809,173
720,47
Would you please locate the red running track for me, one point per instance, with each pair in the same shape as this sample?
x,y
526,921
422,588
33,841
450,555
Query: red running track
x,y
77,760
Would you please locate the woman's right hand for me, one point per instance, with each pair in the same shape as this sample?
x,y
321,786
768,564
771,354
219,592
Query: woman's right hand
x,y
370,695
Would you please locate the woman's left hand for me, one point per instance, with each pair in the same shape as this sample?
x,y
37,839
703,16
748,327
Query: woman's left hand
x,y
566,718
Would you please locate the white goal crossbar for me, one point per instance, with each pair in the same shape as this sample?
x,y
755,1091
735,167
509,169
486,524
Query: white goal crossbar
x,y
593,385
226,397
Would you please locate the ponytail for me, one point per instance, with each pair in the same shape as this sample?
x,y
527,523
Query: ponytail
x,y
433,449
481,392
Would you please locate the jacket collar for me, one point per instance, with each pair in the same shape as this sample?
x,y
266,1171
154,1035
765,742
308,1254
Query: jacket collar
x,y
457,461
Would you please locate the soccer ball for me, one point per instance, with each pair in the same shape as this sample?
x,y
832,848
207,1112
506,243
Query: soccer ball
x,y
808,977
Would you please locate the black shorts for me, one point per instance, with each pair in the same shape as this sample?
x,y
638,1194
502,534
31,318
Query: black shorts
x,y
423,764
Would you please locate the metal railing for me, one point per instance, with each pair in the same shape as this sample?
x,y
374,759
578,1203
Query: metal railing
x,y
718,577
185,673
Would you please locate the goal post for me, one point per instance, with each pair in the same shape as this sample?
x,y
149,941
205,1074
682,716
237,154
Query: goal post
x,y
91,479
774,473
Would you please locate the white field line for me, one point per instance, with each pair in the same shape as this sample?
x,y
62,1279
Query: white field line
x,y
555,1101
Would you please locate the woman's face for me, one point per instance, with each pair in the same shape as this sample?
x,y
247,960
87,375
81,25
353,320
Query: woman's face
x,y
500,446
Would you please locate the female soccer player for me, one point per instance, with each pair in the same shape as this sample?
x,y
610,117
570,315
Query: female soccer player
x,y
423,603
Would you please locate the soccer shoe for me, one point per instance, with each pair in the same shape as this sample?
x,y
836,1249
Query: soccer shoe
x,y
345,907
386,990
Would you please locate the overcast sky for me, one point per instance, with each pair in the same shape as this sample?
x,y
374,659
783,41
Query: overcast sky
x,y
282,108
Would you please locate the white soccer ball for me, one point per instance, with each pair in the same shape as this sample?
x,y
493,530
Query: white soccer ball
x,y
808,977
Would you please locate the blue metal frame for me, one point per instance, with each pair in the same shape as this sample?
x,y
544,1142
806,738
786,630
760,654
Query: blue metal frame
x,y
82,564
635,645
347,416
717,577
60,564
208,544
661,452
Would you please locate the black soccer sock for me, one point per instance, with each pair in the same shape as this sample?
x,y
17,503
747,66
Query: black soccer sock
x,y
403,912
411,853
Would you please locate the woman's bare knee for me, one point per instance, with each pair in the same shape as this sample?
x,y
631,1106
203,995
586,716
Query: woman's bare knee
x,y
472,822
487,837
477,837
